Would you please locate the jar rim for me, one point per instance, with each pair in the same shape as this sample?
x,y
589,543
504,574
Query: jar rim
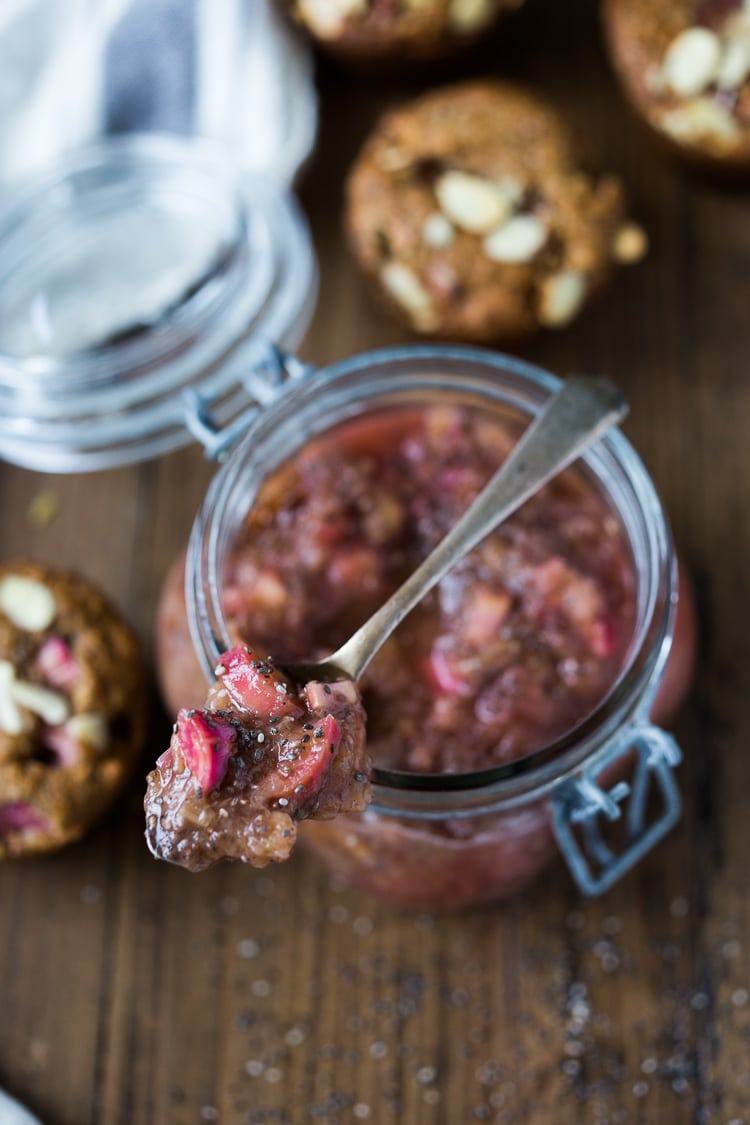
x,y
633,688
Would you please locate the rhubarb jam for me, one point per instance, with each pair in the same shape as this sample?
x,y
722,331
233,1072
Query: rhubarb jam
x,y
261,755
535,670
514,647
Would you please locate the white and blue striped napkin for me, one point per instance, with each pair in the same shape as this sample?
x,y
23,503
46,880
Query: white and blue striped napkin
x,y
226,69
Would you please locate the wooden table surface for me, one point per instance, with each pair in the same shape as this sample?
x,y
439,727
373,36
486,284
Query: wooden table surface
x,y
131,992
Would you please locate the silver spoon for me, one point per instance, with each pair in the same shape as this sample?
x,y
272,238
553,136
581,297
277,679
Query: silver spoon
x,y
581,411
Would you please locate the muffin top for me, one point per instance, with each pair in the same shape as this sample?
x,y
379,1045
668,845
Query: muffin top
x,y
72,714
376,29
475,213
686,66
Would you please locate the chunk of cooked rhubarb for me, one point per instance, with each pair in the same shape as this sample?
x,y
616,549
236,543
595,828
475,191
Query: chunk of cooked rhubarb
x,y
253,685
321,696
20,816
602,635
206,744
300,776
443,674
62,744
78,737
484,613
57,665
331,733
354,568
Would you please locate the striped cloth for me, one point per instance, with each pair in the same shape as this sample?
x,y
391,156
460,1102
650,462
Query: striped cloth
x,y
226,69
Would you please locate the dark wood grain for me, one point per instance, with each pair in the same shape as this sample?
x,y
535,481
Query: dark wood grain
x,y
133,993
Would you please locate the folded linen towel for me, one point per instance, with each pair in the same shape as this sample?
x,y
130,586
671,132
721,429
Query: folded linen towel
x,y
226,69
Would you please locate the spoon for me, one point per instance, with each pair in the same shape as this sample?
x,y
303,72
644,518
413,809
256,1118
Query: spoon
x,y
581,411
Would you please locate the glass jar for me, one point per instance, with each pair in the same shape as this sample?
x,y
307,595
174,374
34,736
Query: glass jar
x,y
136,277
505,821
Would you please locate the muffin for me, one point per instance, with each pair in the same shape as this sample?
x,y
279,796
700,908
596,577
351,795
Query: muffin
x,y
685,66
372,31
72,719
475,216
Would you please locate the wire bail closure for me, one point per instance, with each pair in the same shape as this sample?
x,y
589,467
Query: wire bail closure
x,y
581,802
267,374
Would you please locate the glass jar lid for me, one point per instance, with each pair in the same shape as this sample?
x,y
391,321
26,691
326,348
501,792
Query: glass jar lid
x,y
139,269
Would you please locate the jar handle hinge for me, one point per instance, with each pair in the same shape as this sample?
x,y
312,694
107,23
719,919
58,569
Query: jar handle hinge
x,y
217,421
580,805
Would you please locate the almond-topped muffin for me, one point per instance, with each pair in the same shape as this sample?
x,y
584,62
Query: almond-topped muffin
x,y
685,66
72,714
397,30
475,216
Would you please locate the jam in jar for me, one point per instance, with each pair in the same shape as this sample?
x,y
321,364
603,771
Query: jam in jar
x,y
521,685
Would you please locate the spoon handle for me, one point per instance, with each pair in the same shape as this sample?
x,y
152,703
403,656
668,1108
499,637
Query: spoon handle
x,y
582,410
